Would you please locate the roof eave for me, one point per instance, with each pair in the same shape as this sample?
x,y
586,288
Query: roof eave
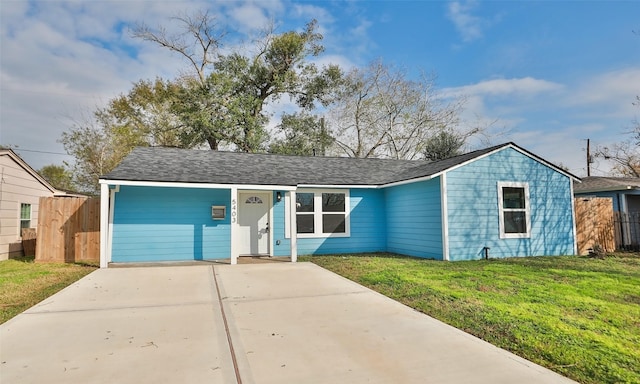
x,y
609,189
338,186
31,171
179,184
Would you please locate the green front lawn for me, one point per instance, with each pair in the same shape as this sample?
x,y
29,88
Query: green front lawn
x,y
575,315
24,283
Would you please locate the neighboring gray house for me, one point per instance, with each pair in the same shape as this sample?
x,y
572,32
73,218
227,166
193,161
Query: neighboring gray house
x,y
20,190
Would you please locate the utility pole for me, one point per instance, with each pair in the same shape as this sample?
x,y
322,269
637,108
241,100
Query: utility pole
x,y
588,157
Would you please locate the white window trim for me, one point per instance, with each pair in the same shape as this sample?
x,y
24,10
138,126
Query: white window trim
x,y
501,209
20,220
317,214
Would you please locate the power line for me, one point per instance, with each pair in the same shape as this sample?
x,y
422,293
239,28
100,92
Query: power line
x,y
36,151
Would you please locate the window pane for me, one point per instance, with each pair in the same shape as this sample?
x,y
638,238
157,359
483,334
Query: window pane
x,y
513,198
25,211
304,202
515,222
333,223
304,223
333,202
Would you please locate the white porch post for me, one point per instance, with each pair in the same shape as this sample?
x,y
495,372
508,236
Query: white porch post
x,y
292,228
445,216
573,217
104,224
234,225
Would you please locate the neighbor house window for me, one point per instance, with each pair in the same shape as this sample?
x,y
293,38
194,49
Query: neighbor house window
x,y
321,213
515,217
25,217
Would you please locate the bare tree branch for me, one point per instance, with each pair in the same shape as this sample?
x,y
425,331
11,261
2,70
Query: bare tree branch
x,y
202,30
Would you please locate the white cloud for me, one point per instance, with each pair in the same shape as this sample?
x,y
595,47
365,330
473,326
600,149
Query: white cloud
x,y
250,17
554,120
342,61
307,11
613,92
505,87
468,25
61,59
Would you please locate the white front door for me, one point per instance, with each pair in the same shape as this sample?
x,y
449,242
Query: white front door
x,y
254,223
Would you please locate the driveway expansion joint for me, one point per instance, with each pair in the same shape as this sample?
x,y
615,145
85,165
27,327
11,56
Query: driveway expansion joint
x,y
226,328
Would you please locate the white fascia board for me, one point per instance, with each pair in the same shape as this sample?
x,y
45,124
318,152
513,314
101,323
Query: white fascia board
x,y
607,189
338,186
242,187
197,185
410,181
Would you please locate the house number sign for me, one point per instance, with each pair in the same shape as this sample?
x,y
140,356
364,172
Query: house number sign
x,y
234,211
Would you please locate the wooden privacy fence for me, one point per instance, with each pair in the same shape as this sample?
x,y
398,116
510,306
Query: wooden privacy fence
x,y
29,241
594,224
68,229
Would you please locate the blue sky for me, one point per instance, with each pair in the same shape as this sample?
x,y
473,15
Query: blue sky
x,y
549,74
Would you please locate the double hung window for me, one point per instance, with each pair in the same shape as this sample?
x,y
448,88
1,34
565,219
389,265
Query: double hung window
x,y
25,216
322,213
515,217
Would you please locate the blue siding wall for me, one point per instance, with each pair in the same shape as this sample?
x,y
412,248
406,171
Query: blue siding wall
x,y
163,224
367,228
414,219
473,212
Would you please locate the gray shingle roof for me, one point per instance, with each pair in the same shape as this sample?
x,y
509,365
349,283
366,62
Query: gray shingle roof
x,y
602,184
156,164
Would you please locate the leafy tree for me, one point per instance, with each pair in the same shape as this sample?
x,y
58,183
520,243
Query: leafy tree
x,y
443,145
98,145
147,112
379,113
58,176
303,135
224,102
221,101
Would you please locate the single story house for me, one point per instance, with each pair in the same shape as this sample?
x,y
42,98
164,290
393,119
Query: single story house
x,y
623,191
20,190
166,204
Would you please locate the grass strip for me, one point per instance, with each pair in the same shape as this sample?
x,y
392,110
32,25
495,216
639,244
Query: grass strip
x,y
578,316
24,283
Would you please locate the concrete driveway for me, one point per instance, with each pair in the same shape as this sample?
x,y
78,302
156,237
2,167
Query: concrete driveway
x,y
265,323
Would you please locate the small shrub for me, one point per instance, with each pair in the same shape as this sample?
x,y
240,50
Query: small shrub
x,y
597,251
